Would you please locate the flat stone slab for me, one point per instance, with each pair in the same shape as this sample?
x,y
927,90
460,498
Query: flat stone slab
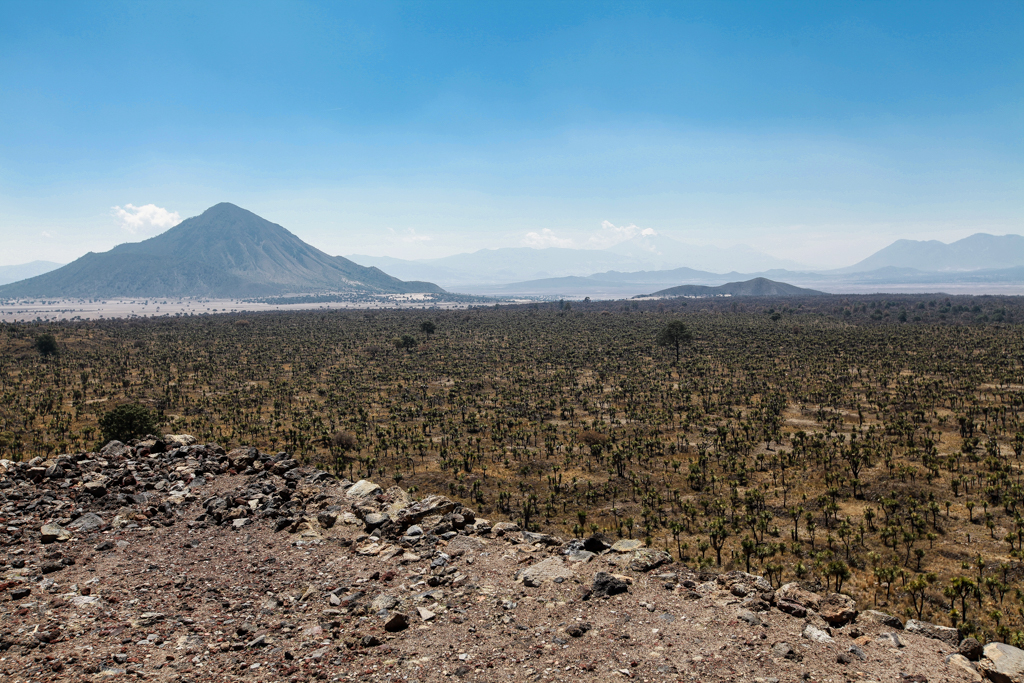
x,y
90,521
1002,663
947,635
627,545
53,532
547,570
363,488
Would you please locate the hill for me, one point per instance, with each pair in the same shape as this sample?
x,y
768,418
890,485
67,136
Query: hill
x,y
268,570
226,252
759,286
980,251
24,270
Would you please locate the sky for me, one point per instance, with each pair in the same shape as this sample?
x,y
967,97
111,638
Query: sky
x,y
818,132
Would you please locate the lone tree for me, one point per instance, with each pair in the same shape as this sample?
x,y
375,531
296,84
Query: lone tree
x,y
127,421
406,342
427,327
46,344
676,334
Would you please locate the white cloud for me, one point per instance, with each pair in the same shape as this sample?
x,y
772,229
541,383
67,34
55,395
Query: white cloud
x,y
611,234
46,234
546,238
413,237
146,218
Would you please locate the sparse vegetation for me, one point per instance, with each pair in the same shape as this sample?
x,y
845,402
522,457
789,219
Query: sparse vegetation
x,y
826,439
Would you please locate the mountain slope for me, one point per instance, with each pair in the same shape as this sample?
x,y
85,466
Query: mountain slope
x,y
24,270
759,286
224,252
977,252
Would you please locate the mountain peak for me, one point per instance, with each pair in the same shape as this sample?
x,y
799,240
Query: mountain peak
x,y
980,251
225,252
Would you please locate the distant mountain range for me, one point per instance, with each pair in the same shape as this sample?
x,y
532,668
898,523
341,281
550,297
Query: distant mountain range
x,y
21,271
758,286
504,270
516,264
226,252
980,251
230,252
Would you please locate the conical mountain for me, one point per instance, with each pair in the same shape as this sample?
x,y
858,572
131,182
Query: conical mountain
x,y
226,252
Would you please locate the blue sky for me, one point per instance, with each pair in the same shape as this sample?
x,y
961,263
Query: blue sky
x,y
814,131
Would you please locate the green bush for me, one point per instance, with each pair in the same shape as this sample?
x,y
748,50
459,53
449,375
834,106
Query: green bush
x,y
128,421
46,344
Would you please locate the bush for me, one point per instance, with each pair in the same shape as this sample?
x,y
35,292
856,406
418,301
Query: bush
x,y
46,344
128,421
344,441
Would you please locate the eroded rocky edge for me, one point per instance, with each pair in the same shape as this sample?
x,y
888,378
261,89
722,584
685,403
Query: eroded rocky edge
x,y
167,560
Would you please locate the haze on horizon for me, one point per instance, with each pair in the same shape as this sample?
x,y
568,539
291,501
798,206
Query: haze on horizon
x,y
813,133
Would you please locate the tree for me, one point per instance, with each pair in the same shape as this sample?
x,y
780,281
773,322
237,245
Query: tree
x,y
427,327
46,345
718,531
406,342
675,334
127,421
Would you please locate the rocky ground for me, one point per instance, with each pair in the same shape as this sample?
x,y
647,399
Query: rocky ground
x,y
168,560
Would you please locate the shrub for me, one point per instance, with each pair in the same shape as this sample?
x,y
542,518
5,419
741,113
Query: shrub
x,y
127,421
46,344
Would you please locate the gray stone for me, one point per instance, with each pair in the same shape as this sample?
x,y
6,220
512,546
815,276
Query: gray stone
x,y
891,639
90,521
838,609
1002,663
383,602
363,488
580,556
461,545
792,609
502,528
646,559
947,635
546,570
970,648
425,614
543,539
627,545
179,440
375,520
792,592
147,619
883,619
786,651
115,449
96,489
428,507
749,617
816,634
858,653
50,533
960,662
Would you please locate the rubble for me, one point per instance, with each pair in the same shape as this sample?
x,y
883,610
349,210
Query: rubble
x,y
168,560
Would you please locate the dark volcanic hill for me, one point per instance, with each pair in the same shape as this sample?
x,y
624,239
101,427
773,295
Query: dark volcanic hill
x,y
759,286
226,252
